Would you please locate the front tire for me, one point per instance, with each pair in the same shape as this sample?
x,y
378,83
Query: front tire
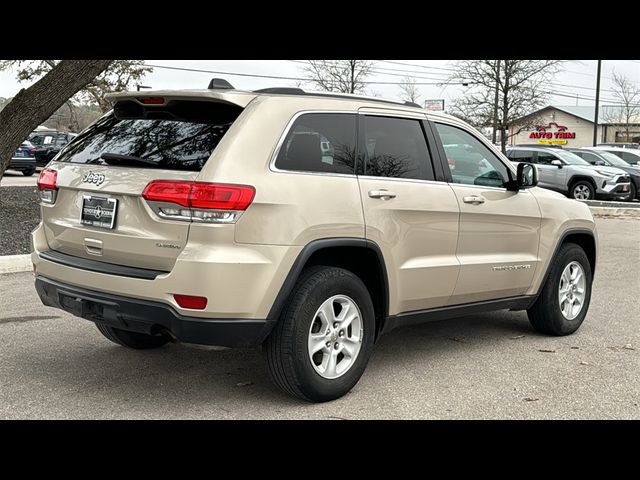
x,y
28,173
582,190
321,344
633,193
138,341
564,301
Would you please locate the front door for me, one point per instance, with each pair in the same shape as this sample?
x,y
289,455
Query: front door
x,y
499,229
412,218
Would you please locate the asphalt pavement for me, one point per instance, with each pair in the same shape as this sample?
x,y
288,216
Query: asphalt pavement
x,y
490,366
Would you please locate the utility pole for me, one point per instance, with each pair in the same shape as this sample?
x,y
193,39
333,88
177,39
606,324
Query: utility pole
x,y
595,120
353,73
495,104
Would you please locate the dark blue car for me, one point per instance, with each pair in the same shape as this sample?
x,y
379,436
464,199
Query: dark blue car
x,y
24,159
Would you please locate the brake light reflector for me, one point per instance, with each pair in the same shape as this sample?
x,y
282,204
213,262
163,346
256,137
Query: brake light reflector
x,y
48,185
203,202
191,301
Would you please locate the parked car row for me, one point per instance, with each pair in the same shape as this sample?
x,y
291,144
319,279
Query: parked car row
x,y
570,173
38,150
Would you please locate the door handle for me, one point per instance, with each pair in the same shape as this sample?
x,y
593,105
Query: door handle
x,y
383,194
474,199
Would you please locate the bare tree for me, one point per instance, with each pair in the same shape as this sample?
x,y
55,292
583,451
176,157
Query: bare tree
x,y
409,90
343,76
121,75
522,87
627,93
32,106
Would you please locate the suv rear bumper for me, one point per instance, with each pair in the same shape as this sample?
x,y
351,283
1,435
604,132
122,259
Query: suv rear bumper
x,y
150,317
22,163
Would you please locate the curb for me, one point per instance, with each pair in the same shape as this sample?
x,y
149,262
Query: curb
x,y
615,212
15,263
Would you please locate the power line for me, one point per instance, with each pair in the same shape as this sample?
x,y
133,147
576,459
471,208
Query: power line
x,y
219,72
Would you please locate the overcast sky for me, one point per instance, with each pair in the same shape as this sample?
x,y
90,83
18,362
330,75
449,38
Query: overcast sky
x,y
578,78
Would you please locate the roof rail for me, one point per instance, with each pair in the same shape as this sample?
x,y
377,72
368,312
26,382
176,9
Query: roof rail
x,y
282,90
412,104
220,84
299,91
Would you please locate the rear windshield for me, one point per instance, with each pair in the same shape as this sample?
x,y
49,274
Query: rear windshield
x,y
179,136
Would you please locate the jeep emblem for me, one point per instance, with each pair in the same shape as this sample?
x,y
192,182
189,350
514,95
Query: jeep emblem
x,y
91,177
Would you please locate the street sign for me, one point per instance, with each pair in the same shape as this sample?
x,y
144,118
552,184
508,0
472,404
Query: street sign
x,y
434,104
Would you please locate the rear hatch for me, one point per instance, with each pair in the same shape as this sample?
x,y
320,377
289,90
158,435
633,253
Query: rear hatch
x,y
98,211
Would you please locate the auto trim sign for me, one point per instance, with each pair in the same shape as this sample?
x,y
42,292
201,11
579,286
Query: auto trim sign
x,y
559,137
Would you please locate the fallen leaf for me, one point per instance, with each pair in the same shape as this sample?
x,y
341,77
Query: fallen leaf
x,y
575,348
517,337
531,399
546,351
584,363
337,418
615,349
628,347
244,384
456,339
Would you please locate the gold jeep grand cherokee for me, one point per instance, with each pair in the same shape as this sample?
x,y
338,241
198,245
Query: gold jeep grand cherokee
x,y
308,223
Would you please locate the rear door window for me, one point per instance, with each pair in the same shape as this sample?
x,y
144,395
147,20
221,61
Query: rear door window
x,y
320,142
180,135
396,148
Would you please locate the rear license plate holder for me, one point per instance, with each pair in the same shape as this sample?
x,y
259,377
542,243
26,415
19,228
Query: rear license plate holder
x,y
98,211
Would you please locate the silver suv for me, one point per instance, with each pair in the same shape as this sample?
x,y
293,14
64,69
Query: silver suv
x,y
567,173
310,224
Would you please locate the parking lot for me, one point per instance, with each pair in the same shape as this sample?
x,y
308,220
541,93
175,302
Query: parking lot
x,y
53,365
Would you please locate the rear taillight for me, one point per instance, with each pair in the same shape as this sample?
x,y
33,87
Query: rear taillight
x,y
191,301
47,185
32,150
198,201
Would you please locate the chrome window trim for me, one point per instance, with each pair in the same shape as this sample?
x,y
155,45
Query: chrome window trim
x,y
276,152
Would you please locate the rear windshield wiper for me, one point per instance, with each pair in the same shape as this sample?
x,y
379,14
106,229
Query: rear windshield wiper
x,y
116,158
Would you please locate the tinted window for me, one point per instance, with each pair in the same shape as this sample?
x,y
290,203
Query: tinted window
x,y
521,155
320,142
470,161
629,157
545,158
589,157
179,136
397,148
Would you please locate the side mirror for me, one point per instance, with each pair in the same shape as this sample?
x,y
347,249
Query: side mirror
x,y
557,163
599,162
527,175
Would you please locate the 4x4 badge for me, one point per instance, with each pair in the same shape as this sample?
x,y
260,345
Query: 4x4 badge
x,y
91,177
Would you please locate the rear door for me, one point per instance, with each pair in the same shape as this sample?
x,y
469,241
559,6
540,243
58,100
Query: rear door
x,y
499,229
99,212
551,176
409,214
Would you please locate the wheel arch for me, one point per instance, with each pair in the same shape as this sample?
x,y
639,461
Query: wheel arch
x,y
358,255
583,237
578,178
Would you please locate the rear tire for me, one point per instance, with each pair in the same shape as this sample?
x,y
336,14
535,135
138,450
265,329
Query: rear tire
x,y
546,315
28,173
138,341
331,308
